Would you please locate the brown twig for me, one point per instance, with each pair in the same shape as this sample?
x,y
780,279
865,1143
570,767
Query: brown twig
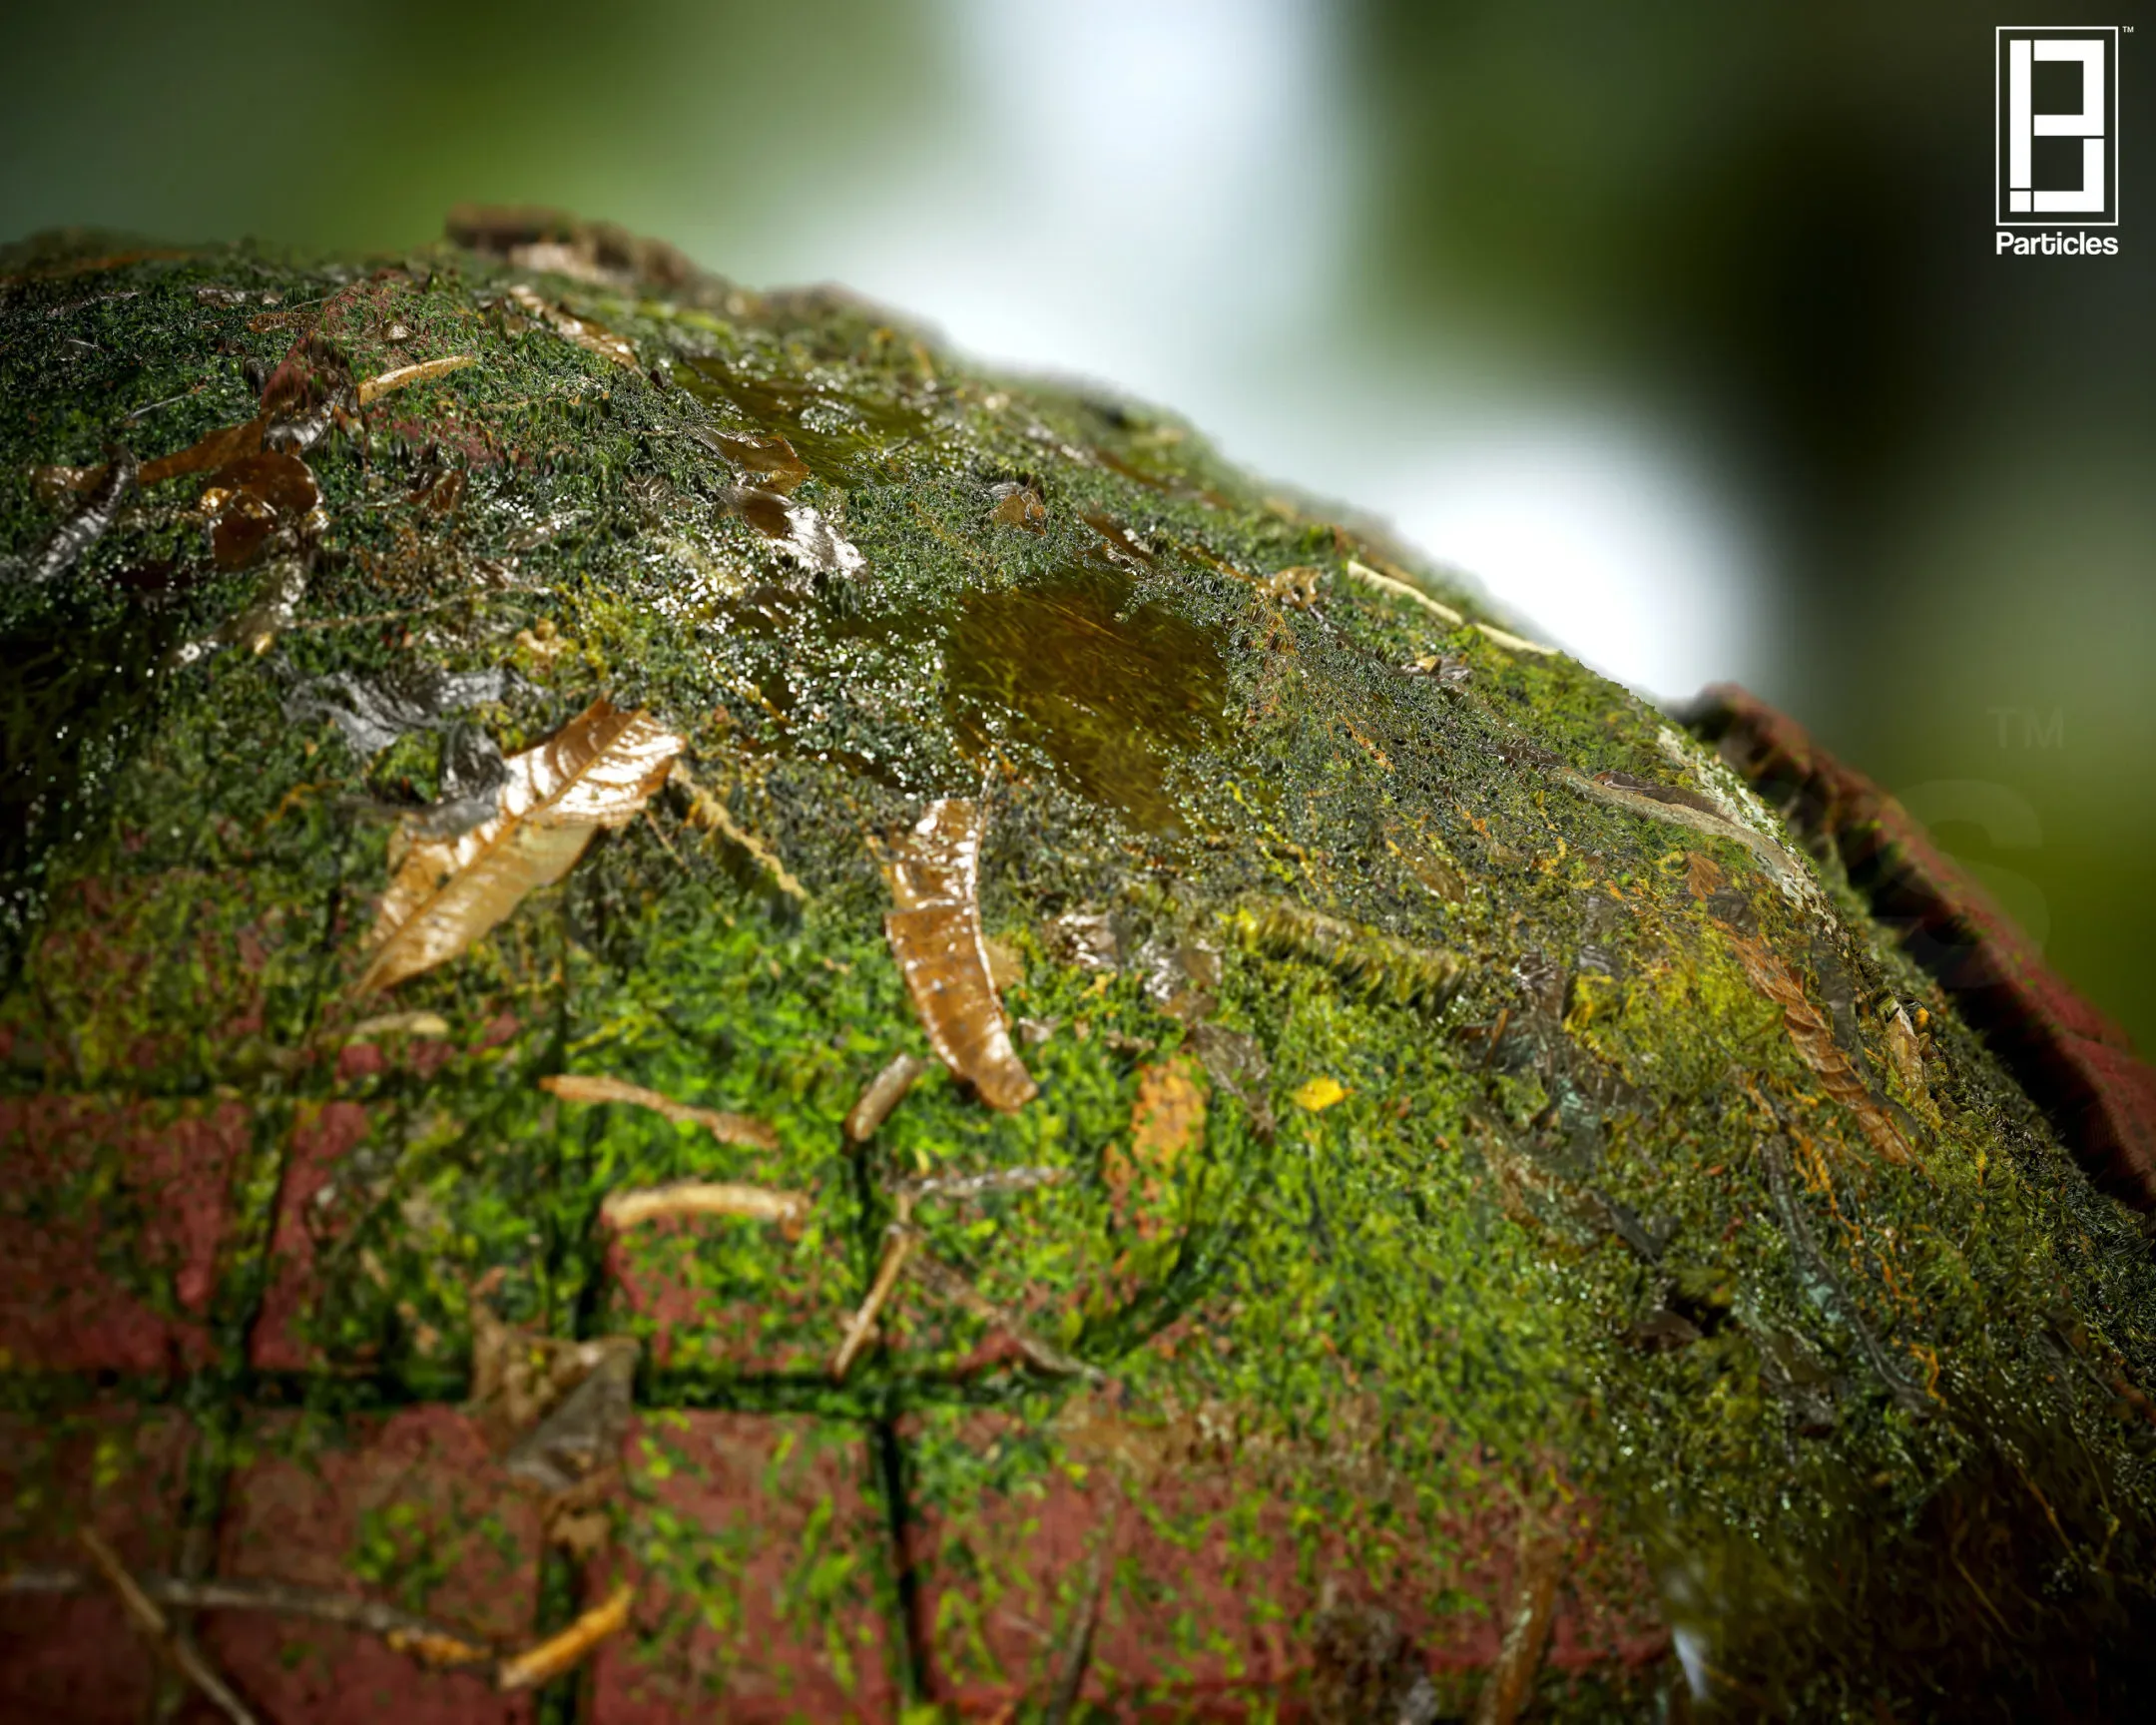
x,y
898,1245
955,1287
563,1652
149,1618
404,375
962,1186
430,1643
602,1087
884,1094
626,1209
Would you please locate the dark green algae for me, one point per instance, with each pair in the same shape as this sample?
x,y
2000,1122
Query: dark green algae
x,y
1541,1256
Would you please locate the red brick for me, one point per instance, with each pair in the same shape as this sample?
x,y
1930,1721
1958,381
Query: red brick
x,y
323,1137
159,1222
75,1657
1213,1581
763,1581
422,1485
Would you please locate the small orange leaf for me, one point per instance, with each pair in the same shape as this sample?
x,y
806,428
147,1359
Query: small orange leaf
x,y
1169,1116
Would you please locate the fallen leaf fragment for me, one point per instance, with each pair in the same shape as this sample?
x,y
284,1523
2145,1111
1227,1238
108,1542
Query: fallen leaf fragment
x,y
598,1087
253,497
592,337
1018,506
598,771
404,376
935,934
1320,1094
797,530
766,456
1526,1633
581,1434
707,813
637,1205
1813,1037
564,1652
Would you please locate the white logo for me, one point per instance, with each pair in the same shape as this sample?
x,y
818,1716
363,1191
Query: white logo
x,y
2057,149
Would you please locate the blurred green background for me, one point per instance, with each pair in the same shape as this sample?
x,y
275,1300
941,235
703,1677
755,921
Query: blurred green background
x,y
1679,325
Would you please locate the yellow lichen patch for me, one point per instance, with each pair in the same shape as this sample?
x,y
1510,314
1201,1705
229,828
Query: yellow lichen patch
x,y
1168,1115
1320,1094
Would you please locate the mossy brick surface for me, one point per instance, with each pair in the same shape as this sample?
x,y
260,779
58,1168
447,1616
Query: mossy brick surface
x,y
1422,1166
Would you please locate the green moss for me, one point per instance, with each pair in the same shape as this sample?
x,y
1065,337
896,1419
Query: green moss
x,y
1585,1223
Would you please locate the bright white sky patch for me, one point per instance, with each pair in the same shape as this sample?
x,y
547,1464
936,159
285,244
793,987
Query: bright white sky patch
x,y
1157,194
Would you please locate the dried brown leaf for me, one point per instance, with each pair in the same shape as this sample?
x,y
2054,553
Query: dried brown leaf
x,y
569,1649
635,1205
597,771
769,458
935,934
599,1087
252,497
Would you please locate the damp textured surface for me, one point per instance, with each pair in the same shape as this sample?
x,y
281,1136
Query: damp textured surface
x,y
1501,1223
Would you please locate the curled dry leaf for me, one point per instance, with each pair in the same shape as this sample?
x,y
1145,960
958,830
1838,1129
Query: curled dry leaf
x,y
598,771
935,934
636,1205
1813,1037
569,1649
598,1087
